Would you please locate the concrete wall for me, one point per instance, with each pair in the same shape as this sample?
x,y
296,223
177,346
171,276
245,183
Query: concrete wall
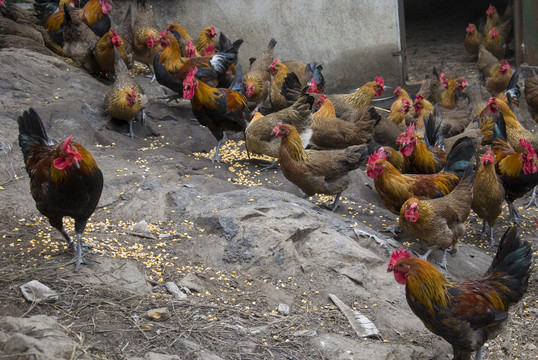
x,y
355,40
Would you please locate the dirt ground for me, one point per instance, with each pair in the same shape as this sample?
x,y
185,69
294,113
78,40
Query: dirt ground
x,y
227,316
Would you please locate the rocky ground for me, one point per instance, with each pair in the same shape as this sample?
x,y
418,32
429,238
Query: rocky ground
x,y
240,242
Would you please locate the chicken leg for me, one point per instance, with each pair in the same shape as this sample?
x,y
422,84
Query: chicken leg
x,y
533,198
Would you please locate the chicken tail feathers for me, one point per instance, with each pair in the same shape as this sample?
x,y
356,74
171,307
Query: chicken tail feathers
x,y
432,130
460,156
513,91
31,132
512,265
291,88
272,44
119,65
237,81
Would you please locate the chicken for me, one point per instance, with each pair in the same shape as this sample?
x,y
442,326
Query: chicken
x,y
514,130
441,89
204,44
399,113
494,43
104,52
316,171
171,69
330,132
64,179
50,14
531,94
145,33
440,222
499,77
473,39
279,72
466,313
360,99
259,133
79,42
423,157
258,78
423,109
394,188
518,171
94,14
125,32
312,82
217,108
488,193
125,100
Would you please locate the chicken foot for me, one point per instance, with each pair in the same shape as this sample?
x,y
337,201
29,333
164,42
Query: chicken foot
x,y
533,199
216,156
484,232
334,205
513,212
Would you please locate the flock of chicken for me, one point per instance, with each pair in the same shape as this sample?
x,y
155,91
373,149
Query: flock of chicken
x,y
421,156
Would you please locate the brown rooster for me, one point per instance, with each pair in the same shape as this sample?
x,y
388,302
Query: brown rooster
x,y
126,99
258,78
64,179
531,94
316,171
259,133
104,52
440,222
394,188
466,313
488,193
473,39
183,39
145,33
216,108
279,72
330,132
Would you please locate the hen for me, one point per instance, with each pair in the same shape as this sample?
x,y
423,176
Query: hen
x,y
488,193
473,39
216,108
360,99
394,188
330,132
204,44
466,313
259,133
258,78
145,33
64,178
79,42
440,222
125,100
316,171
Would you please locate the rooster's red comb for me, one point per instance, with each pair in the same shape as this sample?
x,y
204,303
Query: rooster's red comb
x,y
397,90
492,100
397,255
191,73
526,144
379,80
406,102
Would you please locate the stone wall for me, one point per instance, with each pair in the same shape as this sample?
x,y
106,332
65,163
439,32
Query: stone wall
x,y
354,40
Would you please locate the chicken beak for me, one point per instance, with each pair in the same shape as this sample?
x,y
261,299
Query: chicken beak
x,y
389,270
77,165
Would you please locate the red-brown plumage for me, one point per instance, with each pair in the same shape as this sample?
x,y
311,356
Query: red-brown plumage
x,y
64,178
422,159
466,313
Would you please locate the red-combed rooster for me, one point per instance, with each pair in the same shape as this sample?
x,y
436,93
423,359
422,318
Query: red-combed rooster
x,y
64,178
466,313
423,157
518,171
423,109
395,188
218,109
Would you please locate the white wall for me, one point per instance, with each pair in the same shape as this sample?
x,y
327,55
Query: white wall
x,y
354,40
